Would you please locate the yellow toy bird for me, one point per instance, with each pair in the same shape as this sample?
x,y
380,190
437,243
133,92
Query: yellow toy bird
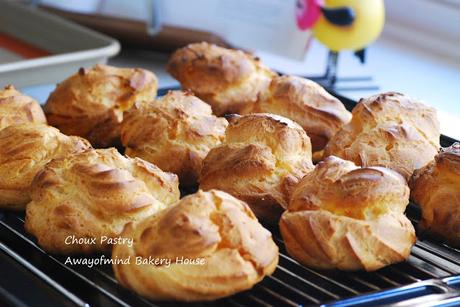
x,y
342,25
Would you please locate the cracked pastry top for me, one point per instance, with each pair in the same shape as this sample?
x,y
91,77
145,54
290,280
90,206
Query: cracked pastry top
x,y
175,132
347,217
230,250
94,194
17,108
262,158
307,103
24,151
227,79
91,103
436,189
389,130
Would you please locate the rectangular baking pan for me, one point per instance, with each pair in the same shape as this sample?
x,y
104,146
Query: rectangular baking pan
x,y
70,46
431,276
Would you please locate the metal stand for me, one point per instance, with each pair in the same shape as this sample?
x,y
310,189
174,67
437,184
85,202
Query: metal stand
x,y
331,68
329,79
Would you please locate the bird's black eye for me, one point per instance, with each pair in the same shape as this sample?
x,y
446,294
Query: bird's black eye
x,y
299,4
339,16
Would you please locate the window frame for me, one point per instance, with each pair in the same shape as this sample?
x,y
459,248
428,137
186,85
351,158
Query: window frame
x,y
429,25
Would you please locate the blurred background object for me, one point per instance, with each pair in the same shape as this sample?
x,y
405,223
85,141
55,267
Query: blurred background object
x,y
248,24
342,25
417,53
39,48
138,23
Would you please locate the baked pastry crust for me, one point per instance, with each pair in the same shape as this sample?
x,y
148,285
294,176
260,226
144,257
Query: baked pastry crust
x,y
307,103
262,158
227,79
174,132
91,103
389,130
17,108
24,151
436,189
346,217
94,194
212,227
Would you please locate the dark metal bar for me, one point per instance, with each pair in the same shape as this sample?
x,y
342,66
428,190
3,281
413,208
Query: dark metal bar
x,y
435,260
386,279
394,271
447,253
318,274
278,299
428,270
69,295
306,282
304,295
